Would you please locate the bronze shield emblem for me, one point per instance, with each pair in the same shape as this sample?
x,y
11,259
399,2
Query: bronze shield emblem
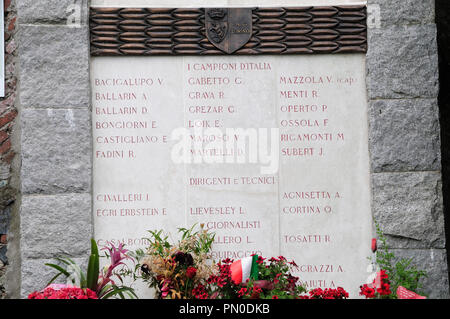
x,y
228,29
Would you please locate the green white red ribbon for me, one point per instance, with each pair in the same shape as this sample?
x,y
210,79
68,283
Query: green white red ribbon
x,y
244,269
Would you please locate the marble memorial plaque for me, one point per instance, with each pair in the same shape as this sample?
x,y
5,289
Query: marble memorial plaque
x,y
270,152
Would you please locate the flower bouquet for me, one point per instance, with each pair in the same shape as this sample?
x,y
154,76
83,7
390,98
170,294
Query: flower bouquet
x,y
186,271
394,278
264,279
177,271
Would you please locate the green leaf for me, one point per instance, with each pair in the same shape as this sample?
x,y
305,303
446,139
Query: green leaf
x,y
54,278
76,269
92,273
94,248
61,271
105,290
119,291
93,267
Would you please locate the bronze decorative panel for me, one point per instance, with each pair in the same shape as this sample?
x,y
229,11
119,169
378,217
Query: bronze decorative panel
x,y
183,31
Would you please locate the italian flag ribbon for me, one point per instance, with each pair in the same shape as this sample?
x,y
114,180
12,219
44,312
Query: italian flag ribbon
x,y
244,269
403,293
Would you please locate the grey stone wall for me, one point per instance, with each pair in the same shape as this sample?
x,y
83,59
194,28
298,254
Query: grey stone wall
x,y
54,206
402,79
8,114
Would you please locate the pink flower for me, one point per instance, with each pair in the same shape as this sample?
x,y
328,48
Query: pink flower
x,y
165,289
64,293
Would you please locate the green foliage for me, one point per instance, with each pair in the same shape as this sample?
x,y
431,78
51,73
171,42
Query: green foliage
x,y
203,243
70,270
93,267
123,292
401,272
196,242
275,281
279,273
174,269
137,256
158,243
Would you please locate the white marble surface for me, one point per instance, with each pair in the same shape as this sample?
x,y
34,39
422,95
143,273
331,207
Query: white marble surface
x,y
150,173
342,172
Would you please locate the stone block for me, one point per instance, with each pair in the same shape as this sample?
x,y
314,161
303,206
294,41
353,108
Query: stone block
x,y
56,151
434,262
408,207
57,225
404,135
405,12
402,62
54,66
51,11
36,275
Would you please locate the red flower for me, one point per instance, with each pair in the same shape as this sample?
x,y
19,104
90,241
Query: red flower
x,y
64,293
255,292
274,297
383,275
367,291
316,293
200,292
338,293
254,295
379,287
341,292
384,290
242,292
191,272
